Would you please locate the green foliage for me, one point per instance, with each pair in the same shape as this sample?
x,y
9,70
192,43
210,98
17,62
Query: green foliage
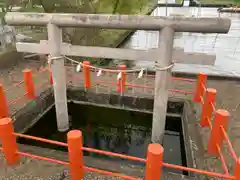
x,y
94,6
120,6
32,9
237,1
129,7
33,103
50,6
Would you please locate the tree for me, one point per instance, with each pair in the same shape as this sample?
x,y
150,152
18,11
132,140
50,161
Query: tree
x,y
83,36
89,36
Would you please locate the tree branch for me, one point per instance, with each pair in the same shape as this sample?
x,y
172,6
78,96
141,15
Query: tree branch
x,y
88,6
115,7
48,5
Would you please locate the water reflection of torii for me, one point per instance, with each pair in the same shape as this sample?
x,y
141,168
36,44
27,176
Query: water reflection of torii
x,y
117,143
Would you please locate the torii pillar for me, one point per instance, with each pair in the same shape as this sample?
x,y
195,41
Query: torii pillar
x,y
165,42
59,76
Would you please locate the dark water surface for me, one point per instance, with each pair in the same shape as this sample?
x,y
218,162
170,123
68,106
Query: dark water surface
x,y
112,130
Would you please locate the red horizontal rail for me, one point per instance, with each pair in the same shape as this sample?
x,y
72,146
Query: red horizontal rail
x,y
199,171
22,82
105,85
105,82
204,87
43,158
67,164
183,79
230,147
75,78
14,85
149,75
173,78
201,100
17,99
114,154
43,70
224,165
180,91
173,166
164,164
84,148
139,86
41,139
143,86
123,83
109,173
209,122
123,176
127,157
213,106
42,84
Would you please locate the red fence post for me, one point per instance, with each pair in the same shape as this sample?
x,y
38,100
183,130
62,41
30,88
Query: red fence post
x,y
86,74
201,82
9,143
29,84
216,136
207,106
122,80
3,103
237,170
154,162
75,154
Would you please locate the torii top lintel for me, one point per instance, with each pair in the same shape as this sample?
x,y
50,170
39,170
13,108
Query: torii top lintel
x,y
179,24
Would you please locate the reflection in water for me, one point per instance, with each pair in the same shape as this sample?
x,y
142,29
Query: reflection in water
x,y
130,139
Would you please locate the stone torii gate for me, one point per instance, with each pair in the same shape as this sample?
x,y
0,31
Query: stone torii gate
x,y
166,26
